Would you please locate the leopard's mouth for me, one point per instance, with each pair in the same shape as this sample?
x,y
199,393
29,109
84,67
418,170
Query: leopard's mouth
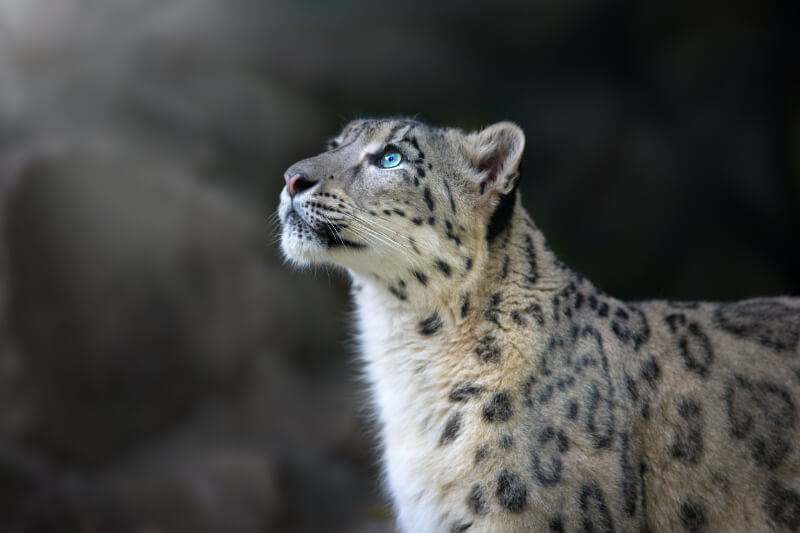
x,y
329,234
293,217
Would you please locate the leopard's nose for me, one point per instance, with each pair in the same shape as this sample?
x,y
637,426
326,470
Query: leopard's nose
x,y
297,183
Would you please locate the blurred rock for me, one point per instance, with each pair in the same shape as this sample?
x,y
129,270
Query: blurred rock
x,y
135,292
176,79
198,492
34,497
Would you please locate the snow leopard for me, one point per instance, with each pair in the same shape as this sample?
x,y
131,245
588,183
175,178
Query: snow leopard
x,y
512,394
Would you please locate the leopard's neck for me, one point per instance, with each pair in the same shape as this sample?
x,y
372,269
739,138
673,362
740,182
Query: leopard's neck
x,y
420,357
516,260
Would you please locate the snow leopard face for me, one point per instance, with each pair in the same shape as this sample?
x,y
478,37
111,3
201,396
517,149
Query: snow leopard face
x,y
398,197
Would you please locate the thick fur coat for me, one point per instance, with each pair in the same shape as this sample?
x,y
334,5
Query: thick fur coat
x,y
512,394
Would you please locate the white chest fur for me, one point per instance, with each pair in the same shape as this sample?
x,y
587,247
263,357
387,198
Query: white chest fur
x,y
407,390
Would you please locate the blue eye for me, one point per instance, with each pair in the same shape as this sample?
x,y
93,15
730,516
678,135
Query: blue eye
x,y
390,158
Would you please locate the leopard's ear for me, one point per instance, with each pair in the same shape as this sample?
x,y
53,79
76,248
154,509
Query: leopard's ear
x,y
494,154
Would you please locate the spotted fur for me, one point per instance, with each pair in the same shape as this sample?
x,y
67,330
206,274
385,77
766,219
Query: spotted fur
x,y
512,394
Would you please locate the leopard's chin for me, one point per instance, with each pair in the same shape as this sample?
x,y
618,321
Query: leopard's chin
x,y
298,252
300,244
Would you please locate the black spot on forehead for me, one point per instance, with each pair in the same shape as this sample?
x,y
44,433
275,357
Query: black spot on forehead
x,y
393,131
412,140
354,130
370,126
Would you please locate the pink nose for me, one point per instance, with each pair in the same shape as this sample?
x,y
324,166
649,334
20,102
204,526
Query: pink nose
x,y
290,181
297,183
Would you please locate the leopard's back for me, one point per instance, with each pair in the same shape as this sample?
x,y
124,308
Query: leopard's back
x,y
728,430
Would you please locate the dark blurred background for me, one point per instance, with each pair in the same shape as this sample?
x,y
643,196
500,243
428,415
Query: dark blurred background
x,y
161,369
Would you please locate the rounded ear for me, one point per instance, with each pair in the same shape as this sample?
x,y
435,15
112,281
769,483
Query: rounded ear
x,y
495,153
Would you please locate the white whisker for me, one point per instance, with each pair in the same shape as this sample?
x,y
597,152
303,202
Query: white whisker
x,y
423,244
371,234
380,235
